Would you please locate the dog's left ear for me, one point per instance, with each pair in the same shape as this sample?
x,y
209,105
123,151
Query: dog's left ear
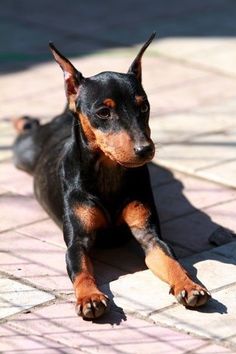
x,y
136,67
72,76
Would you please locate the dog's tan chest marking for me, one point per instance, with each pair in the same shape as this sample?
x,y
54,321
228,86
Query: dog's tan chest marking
x,y
136,215
91,217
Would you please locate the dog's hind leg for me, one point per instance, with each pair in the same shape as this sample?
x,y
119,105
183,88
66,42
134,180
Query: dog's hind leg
x,y
25,149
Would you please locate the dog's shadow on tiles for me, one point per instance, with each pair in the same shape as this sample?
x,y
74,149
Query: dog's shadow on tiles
x,y
186,228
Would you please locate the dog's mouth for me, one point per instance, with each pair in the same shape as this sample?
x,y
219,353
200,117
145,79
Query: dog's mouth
x,y
127,164
133,164
128,159
136,162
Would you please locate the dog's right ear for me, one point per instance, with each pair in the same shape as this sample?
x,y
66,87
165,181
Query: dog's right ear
x,y
136,67
73,77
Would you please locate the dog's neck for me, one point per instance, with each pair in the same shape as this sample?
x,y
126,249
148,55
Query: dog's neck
x,y
108,173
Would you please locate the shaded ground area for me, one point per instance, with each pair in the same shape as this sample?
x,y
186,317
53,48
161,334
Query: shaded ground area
x,y
84,27
189,75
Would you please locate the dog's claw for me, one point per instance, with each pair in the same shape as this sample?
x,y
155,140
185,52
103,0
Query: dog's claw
x,y
104,303
78,309
95,304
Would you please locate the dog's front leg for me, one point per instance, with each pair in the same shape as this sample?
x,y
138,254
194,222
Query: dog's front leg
x,y
80,226
159,258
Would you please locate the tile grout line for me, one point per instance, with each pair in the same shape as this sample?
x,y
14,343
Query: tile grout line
x,y
216,180
27,282
181,331
32,95
210,340
133,314
192,65
189,139
207,341
22,225
30,309
199,210
216,164
213,291
146,318
45,336
191,173
18,230
169,87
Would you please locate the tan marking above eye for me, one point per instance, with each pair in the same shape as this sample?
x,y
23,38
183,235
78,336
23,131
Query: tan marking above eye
x,y
109,102
91,217
139,100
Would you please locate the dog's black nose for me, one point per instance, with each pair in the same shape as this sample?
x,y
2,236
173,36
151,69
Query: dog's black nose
x,y
144,150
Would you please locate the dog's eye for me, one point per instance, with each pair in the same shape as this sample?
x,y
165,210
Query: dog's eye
x,y
104,113
144,108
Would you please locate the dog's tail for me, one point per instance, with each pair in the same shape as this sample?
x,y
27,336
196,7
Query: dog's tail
x,y
24,152
25,123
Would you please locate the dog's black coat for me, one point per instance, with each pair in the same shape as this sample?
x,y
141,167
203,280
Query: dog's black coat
x,y
68,170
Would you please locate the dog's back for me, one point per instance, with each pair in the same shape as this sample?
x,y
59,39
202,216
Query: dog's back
x,y
38,150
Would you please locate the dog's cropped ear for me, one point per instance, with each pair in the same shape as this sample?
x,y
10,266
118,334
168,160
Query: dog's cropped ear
x,y
73,77
136,66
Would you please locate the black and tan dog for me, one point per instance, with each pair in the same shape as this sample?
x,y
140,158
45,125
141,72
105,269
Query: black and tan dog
x,y
90,175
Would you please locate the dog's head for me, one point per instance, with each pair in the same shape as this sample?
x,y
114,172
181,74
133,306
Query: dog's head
x,y
113,110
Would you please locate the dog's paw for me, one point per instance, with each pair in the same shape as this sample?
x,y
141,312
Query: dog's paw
x,y
92,306
191,295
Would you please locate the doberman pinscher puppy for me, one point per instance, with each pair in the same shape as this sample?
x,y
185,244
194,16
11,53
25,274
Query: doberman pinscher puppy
x,y
90,174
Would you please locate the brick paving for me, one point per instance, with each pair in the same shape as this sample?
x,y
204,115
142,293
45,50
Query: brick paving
x,y
189,75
